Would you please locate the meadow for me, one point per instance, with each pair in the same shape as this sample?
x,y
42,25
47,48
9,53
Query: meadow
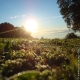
x,y
39,59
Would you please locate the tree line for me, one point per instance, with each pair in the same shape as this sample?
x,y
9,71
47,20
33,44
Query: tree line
x,y
8,30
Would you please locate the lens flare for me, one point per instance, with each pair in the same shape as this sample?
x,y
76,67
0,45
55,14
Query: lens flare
x,y
31,25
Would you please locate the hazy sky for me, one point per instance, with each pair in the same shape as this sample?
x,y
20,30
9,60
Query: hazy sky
x,y
45,12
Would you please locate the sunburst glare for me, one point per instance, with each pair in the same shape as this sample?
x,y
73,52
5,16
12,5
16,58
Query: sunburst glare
x,y
31,25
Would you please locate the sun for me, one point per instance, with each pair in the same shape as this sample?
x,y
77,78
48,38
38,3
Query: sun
x,y
31,25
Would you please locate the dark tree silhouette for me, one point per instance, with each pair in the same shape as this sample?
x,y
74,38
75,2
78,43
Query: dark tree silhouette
x,y
6,27
71,35
70,10
8,30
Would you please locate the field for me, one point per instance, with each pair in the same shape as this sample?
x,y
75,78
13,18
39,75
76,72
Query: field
x,y
39,59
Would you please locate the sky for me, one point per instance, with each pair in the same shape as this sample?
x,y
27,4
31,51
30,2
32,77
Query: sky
x,y
45,12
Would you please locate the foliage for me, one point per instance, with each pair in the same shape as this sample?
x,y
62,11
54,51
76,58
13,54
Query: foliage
x,y
71,35
70,12
6,27
8,30
55,60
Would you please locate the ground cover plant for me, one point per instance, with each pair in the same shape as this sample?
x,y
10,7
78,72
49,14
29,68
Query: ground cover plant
x,y
39,59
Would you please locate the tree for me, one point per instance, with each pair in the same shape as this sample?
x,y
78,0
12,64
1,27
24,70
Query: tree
x,y
6,26
8,30
5,30
71,35
70,10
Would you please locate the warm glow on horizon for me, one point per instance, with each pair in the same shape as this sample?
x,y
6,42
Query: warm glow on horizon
x,y
31,25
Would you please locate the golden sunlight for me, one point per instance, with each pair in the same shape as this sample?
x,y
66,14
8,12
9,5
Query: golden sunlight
x,y
31,25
